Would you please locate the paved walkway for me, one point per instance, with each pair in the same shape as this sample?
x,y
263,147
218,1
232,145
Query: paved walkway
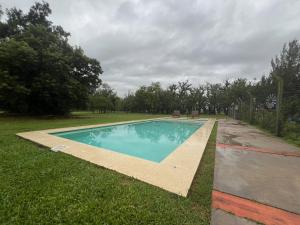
x,y
257,178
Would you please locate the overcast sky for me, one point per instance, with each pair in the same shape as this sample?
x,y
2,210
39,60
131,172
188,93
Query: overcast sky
x,y
138,42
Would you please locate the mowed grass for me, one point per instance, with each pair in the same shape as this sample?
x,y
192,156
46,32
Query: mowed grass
x,y
38,186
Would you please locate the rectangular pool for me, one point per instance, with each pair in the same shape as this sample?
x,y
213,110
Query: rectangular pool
x,y
150,140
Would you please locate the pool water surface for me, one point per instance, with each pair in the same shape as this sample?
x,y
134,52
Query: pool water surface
x,y
149,140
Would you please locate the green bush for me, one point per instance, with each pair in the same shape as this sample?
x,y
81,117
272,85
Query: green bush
x,y
266,120
291,132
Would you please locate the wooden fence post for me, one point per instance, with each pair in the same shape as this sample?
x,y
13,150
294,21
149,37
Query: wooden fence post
x,y
278,103
250,108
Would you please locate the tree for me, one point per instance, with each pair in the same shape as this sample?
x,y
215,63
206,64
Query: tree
x,y
214,93
197,99
129,103
104,99
40,73
287,66
100,103
183,92
17,60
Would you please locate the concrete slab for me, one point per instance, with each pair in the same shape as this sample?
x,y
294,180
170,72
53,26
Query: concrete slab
x,y
220,217
254,165
270,179
255,149
238,133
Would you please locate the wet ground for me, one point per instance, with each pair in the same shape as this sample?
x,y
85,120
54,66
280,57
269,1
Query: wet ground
x,y
253,165
238,133
222,217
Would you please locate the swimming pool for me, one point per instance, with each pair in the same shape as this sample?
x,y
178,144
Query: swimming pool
x,y
182,141
149,140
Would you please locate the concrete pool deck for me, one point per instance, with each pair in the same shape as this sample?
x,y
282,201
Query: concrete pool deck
x,y
175,173
256,178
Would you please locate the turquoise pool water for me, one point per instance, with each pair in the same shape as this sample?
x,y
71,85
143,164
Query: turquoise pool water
x,y
150,140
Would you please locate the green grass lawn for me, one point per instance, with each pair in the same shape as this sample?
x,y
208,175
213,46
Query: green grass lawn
x,y
38,186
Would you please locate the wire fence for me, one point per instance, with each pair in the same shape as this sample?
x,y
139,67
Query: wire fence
x,y
254,114
272,115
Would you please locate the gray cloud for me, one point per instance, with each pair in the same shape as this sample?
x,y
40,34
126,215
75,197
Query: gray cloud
x,y
139,42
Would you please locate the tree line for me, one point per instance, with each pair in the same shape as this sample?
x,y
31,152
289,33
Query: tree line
x,y
40,72
221,97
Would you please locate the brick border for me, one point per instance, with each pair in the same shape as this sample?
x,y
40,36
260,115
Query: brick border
x,y
253,210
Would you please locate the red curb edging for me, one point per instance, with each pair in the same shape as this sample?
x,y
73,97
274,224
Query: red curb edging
x,y
256,149
252,210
